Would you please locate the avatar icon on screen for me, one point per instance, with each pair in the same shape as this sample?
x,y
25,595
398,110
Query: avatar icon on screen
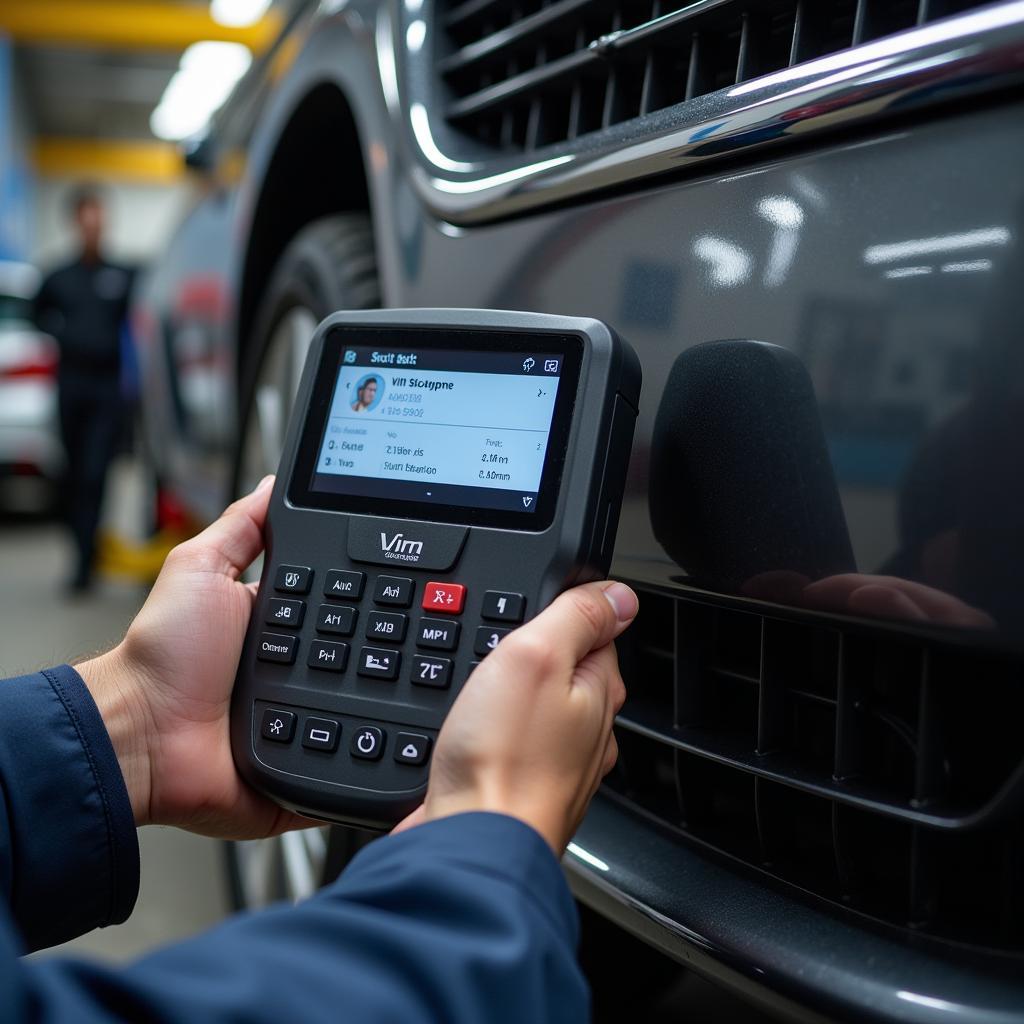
x,y
369,392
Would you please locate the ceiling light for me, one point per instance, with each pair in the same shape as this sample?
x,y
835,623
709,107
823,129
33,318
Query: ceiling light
x,y
204,80
238,13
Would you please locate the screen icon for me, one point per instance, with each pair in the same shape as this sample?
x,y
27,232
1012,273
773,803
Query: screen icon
x,y
551,366
528,364
350,356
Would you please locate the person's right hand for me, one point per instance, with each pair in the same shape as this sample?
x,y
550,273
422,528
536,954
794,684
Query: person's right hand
x,y
531,733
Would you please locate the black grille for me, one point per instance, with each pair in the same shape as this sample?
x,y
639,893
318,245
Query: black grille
x,y
523,74
880,772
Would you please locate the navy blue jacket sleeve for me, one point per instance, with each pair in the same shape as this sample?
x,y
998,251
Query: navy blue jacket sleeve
x,y
460,921
467,920
69,856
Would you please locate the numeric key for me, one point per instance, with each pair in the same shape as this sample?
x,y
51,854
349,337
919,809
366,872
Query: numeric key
x,y
487,638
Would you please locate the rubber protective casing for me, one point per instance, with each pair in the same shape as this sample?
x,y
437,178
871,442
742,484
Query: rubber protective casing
x,y
576,548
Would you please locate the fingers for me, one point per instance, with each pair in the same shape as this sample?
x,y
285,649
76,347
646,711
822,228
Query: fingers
x,y
891,595
411,820
579,621
236,538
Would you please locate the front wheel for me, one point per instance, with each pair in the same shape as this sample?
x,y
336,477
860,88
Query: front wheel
x,y
329,265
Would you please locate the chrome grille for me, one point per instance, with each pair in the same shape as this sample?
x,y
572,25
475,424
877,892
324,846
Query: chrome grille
x,y
523,74
881,772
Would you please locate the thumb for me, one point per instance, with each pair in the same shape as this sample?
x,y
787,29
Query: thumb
x,y
237,536
583,619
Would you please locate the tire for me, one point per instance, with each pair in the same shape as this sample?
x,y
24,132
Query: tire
x,y
329,265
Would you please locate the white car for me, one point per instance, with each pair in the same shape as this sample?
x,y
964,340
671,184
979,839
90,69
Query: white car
x,y
31,456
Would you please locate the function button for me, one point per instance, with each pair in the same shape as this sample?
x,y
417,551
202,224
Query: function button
x,y
394,590
367,743
337,619
327,655
503,607
293,579
378,663
282,612
441,634
277,647
344,584
487,638
431,671
278,726
320,734
411,748
444,597
386,626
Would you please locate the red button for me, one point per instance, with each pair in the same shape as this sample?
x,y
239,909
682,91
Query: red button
x,y
444,597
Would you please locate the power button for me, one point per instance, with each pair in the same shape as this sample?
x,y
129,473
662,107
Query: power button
x,y
367,743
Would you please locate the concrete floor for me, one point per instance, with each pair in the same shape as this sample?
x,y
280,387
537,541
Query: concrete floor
x,y
183,887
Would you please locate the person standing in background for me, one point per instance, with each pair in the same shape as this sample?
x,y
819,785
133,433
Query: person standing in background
x,y
84,305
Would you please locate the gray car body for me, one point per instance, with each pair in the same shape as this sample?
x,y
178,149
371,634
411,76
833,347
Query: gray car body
x,y
769,238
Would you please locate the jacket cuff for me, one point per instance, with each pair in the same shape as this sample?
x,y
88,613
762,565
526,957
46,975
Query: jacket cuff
x,y
484,843
73,850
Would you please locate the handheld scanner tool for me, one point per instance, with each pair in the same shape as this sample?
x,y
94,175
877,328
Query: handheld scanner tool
x,y
445,475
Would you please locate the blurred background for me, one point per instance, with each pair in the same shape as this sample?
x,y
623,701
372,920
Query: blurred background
x,y
99,94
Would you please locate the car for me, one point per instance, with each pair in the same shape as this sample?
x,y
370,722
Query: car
x,y
808,219
31,456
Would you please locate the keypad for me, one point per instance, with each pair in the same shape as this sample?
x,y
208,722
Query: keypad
x,y
293,579
435,672
320,734
348,586
386,626
282,612
278,726
277,647
501,606
487,638
444,597
368,743
440,634
411,748
395,590
339,620
327,655
378,663
402,632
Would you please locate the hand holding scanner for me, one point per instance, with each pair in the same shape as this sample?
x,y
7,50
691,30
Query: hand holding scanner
x,y
446,474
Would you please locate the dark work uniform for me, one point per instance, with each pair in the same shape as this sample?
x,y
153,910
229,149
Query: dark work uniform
x,y
467,920
83,305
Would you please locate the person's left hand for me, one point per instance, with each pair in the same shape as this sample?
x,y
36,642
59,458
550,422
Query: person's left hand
x,y
164,692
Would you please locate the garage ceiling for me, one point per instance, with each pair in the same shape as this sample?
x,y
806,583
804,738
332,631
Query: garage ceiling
x,y
88,88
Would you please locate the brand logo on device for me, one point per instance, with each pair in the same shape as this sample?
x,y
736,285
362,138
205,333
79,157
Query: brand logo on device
x,y
398,548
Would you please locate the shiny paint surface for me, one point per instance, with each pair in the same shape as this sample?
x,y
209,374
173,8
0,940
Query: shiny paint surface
x,y
888,259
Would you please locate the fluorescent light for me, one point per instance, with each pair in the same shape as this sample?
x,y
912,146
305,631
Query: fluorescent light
x,y
908,272
940,243
204,80
967,267
238,13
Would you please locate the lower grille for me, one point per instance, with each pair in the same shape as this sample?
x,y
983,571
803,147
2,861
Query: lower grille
x,y
877,771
